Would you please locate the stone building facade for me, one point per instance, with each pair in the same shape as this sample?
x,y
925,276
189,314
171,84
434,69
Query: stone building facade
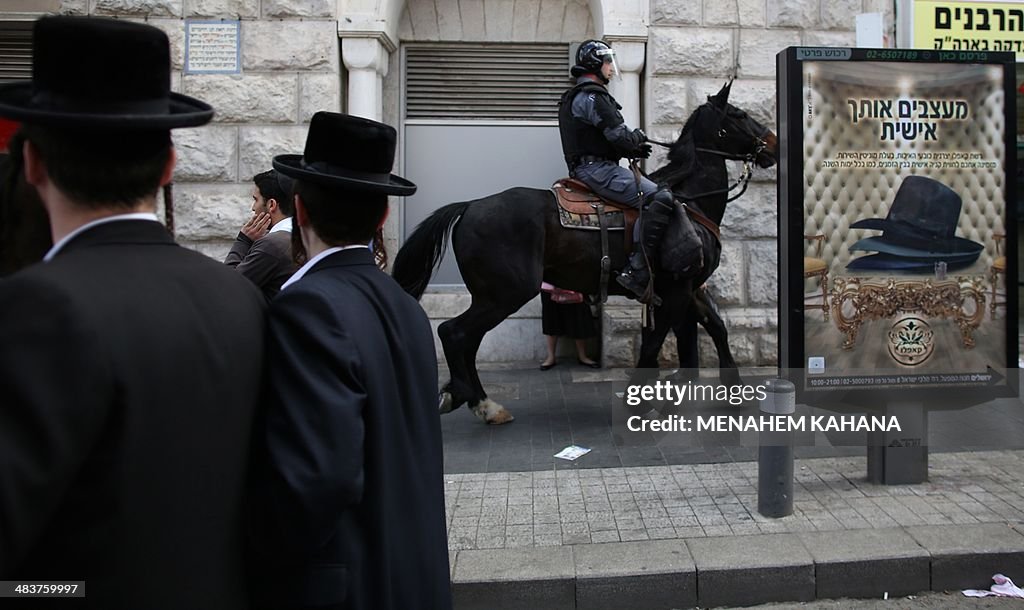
x,y
300,56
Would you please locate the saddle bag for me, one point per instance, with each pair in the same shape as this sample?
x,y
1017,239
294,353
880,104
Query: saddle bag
x,y
682,249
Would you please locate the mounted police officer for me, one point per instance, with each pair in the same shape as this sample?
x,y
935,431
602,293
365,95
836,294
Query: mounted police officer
x,y
594,138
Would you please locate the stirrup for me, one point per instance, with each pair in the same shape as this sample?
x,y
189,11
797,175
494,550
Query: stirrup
x,y
645,294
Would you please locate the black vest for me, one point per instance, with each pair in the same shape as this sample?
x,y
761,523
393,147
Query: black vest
x,y
581,139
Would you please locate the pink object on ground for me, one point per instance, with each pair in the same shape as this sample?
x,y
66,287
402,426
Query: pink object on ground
x,y
1004,587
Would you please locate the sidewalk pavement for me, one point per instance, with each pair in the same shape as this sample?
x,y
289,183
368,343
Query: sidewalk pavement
x,y
690,535
684,534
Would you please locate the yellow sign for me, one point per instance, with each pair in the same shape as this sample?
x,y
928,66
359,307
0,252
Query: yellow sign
x,y
969,26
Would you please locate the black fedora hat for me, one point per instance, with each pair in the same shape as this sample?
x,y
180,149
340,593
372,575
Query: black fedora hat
x,y
889,262
95,73
921,224
347,152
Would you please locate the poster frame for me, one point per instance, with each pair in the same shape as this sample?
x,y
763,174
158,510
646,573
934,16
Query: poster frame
x,y
792,218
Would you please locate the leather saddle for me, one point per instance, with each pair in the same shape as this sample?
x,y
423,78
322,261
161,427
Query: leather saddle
x,y
577,209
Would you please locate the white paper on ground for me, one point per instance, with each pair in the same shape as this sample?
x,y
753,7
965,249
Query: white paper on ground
x,y
572,452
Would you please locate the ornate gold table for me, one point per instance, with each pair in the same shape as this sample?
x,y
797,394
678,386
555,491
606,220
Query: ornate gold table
x,y
876,299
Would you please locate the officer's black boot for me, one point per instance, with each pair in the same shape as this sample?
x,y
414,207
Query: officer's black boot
x,y
637,276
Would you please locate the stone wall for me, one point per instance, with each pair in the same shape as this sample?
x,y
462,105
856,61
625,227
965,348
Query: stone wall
x,y
496,20
290,69
691,50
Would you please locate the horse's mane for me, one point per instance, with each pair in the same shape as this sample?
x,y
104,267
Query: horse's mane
x,y
682,156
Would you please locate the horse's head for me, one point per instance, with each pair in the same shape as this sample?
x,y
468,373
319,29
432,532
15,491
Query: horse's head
x,y
722,128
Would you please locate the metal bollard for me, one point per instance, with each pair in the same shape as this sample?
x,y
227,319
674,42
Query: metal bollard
x,y
775,457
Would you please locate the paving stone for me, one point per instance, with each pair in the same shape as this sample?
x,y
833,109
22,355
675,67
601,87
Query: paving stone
x,y
518,579
547,539
737,570
867,563
626,535
717,530
661,533
598,536
658,574
690,532
966,557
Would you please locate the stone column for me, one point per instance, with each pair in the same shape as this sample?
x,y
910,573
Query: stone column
x,y
366,59
621,321
629,56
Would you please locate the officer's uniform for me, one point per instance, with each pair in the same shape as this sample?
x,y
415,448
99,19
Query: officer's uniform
x,y
594,138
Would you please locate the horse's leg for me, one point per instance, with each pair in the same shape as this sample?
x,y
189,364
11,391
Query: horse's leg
x,y
651,339
684,326
470,355
457,391
685,329
501,250
707,315
461,337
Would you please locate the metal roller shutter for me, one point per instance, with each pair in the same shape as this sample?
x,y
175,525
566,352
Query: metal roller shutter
x,y
485,81
15,51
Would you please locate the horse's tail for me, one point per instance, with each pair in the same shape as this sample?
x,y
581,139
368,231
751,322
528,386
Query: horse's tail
x,y
422,252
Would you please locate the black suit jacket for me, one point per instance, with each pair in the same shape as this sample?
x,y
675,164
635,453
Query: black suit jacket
x,y
267,262
348,494
129,372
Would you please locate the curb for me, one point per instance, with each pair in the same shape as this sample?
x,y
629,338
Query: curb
x,y
738,570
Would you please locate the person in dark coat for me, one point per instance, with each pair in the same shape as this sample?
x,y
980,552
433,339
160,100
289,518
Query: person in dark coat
x,y
129,366
262,251
571,319
24,225
348,490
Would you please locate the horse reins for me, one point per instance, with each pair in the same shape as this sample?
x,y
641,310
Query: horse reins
x,y
747,160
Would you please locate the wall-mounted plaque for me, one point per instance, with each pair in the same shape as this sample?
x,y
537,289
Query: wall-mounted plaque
x,y
213,47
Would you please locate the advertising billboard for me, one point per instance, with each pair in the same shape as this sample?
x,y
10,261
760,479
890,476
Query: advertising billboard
x,y
897,223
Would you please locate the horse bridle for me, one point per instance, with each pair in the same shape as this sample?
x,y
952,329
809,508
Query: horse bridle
x,y
748,159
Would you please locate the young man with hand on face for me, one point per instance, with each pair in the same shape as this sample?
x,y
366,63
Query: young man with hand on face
x,y
262,251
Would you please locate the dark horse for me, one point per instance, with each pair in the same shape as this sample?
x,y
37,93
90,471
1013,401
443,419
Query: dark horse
x,y
506,244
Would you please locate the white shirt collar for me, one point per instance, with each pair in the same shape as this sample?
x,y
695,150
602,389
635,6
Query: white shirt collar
x,y
284,224
57,247
316,259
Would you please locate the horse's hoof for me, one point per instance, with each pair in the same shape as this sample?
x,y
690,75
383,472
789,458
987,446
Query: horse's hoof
x,y
444,402
492,413
501,417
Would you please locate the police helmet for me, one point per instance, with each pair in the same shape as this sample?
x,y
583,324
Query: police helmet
x,y
592,54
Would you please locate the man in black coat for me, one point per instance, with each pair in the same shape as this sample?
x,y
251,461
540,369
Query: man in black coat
x,y
129,366
348,504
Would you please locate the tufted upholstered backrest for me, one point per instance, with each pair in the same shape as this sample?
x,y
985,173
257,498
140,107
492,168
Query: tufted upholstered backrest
x,y
835,197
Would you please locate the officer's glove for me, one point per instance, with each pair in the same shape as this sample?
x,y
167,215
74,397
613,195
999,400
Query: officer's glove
x,y
643,151
635,138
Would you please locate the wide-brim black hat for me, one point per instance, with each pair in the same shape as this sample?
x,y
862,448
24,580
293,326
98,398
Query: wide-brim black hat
x,y
888,262
347,152
95,73
921,223
945,249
